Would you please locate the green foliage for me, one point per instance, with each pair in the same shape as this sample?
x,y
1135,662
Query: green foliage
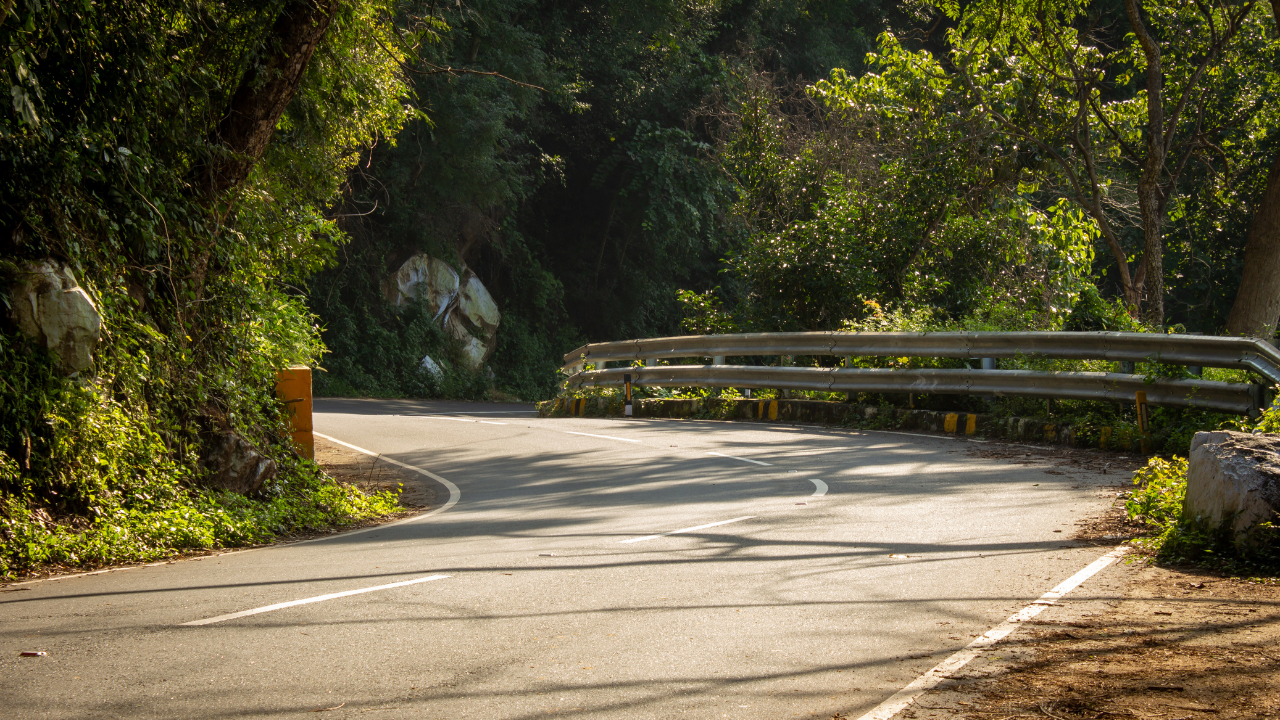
x,y
1177,539
1270,419
1092,312
93,473
1162,486
159,516
704,313
884,186
102,167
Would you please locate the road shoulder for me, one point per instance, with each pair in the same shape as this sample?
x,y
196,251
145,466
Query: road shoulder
x,y
1142,641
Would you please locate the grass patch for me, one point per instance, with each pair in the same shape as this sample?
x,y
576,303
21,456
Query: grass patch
x,y
166,516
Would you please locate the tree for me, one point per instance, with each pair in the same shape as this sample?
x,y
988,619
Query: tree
x,y
1257,305
1117,105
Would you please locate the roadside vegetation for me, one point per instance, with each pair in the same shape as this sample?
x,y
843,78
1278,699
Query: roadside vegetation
x,y
1157,502
165,155
232,202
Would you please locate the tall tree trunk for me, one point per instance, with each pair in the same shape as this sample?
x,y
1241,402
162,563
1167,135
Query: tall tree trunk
x,y
263,94
1151,280
1149,194
1257,305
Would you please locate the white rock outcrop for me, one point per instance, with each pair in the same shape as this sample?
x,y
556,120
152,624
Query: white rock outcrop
x,y
477,306
1234,478
423,276
462,305
50,307
431,367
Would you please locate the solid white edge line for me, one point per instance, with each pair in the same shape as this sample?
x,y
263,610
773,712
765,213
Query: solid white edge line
x,y
307,601
943,671
454,493
819,487
735,457
606,437
688,529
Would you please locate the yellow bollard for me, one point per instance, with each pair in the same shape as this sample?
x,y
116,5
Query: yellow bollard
x,y
773,409
293,387
949,424
971,424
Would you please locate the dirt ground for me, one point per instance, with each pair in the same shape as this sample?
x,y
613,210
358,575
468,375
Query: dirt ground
x,y
372,474
1136,641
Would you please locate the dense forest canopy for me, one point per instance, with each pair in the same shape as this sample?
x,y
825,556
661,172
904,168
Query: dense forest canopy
x,y
232,183
630,169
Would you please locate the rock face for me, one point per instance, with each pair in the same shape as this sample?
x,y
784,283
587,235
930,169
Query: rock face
x,y
233,463
423,276
1233,478
463,305
432,367
477,306
52,309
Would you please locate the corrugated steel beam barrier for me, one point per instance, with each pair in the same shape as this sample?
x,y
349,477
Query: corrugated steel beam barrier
x,y
1198,350
1206,394
1195,350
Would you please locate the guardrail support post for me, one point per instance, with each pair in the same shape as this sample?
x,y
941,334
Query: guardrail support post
x,y
1258,399
626,410
1144,419
717,360
1127,367
988,363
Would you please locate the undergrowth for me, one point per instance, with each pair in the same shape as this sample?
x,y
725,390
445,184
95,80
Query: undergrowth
x,y
104,468
165,515
1177,539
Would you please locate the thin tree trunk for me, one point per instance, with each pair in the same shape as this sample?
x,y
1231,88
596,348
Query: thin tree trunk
x,y
1257,304
1149,201
1151,283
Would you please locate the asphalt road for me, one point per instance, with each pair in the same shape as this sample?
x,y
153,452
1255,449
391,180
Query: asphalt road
x,y
563,592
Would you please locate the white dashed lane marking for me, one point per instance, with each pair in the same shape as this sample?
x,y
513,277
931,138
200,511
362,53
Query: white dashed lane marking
x,y
688,529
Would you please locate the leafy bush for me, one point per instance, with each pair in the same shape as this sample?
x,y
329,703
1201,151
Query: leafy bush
x,y
1158,502
109,167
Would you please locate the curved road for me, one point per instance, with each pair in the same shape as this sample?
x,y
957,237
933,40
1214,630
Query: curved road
x,y
590,568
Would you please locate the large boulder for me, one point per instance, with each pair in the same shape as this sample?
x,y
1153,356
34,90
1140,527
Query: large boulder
x,y
1233,478
50,307
463,306
423,276
232,463
474,350
477,306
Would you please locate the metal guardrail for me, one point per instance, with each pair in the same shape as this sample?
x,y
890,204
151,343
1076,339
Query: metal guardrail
x,y
1195,350
1205,394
